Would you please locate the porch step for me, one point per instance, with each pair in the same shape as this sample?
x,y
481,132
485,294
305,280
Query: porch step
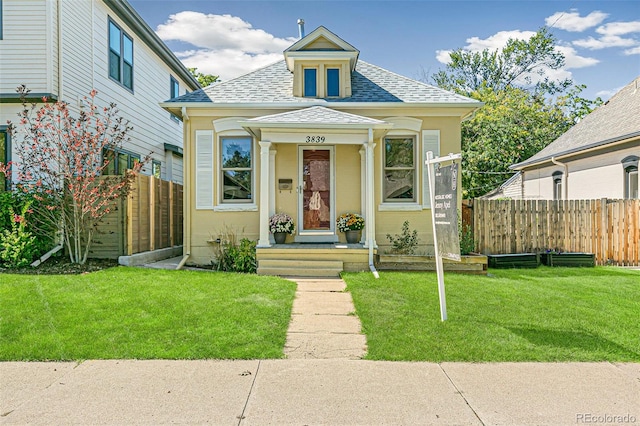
x,y
300,268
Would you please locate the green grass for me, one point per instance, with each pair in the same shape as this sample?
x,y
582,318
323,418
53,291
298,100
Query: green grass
x,y
129,313
545,314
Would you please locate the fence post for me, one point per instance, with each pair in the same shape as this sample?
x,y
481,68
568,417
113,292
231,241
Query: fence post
x,y
129,220
152,214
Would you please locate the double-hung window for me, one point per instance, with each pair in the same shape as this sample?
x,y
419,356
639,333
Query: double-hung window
x,y
120,56
399,169
236,156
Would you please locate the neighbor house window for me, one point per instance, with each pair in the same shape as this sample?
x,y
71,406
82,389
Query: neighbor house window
x,y
156,169
333,82
310,82
119,161
120,56
630,165
399,169
5,155
174,88
557,186
236,156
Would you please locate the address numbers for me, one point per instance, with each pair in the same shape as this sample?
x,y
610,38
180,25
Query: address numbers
x,y
315,139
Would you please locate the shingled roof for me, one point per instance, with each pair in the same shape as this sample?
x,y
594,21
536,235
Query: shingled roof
x,y
369,84
616,120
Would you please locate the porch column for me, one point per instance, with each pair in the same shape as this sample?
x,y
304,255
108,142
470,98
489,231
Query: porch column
x,y
265,196
363,189
272,185
370,221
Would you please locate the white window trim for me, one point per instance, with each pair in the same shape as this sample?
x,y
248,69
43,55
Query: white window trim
x,y
412,205
230,206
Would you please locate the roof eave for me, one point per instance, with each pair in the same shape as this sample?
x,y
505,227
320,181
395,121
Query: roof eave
x,y
306,126
567,153
320,102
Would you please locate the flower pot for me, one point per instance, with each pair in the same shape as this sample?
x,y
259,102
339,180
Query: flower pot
x,y
353,237
280,237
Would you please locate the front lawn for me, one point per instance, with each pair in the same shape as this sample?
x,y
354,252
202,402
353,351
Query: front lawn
x,y
131,313
546,314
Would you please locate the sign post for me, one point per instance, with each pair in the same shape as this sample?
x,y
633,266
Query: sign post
x,y
443,190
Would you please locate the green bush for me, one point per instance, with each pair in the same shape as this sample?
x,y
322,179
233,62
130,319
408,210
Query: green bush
x,y
12,201
17,245
231,256
405,243
467,244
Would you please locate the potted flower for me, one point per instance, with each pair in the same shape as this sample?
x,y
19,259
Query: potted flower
x,y
281,224
351,224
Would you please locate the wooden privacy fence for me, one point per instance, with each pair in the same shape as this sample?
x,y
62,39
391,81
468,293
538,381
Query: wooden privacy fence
x,y
149,219
608,228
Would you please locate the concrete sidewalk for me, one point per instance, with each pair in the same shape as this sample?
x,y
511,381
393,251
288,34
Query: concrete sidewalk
x,y
305,392
323,322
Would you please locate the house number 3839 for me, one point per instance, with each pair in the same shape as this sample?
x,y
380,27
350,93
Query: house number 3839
x,y
315,139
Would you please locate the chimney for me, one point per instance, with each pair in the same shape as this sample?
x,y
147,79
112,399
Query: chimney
x,y
301,27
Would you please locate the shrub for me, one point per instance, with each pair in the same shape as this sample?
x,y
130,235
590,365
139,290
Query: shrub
x,y
10,202
406,242
231,256
17,244
467,244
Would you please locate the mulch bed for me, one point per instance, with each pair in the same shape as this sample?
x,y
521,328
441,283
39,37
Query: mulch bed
x,y
61,265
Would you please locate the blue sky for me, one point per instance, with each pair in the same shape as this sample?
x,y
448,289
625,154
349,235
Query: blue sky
x,y
600,39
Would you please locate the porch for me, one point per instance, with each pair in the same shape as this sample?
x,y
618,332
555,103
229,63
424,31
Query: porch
x,y
312,260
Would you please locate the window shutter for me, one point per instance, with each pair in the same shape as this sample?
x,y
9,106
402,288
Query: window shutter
x,y
430,142
204,169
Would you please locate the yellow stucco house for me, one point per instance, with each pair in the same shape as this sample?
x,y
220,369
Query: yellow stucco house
x,y
316,135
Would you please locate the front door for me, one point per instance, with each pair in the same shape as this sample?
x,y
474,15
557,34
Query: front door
x,y
316,195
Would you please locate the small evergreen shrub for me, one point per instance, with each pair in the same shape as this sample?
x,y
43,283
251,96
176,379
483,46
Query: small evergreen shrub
x,y
406,242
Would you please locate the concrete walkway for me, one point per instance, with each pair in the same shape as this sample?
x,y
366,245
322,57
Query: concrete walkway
x,y
306,392
323,322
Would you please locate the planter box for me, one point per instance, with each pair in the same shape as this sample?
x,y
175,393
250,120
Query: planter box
x,y
518,260
568,259
470,264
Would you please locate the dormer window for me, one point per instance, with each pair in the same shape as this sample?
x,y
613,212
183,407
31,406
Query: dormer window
x,y
333,82
321,63
310,82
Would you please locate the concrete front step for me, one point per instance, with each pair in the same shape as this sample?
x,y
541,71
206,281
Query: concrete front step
x,y
300,268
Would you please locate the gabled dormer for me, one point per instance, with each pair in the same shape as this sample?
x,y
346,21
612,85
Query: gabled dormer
x,y
321,63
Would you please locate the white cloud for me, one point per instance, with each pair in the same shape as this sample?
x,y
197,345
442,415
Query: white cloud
x,y
633,51
572,21
573,60
619,28
226,45
606,94
443,56
496,41
605,42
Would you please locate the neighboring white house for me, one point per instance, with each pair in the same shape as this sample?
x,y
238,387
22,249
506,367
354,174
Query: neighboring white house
x,y
596,158
63,49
